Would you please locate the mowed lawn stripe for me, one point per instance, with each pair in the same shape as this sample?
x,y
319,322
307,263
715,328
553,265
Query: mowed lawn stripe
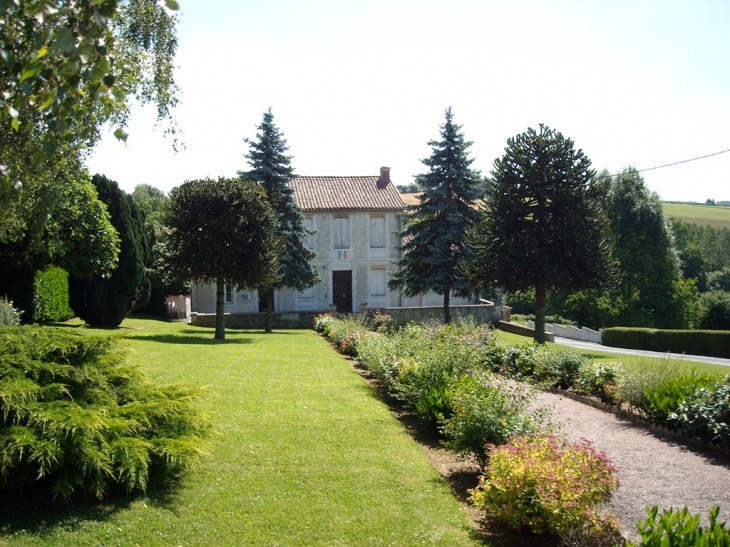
x,y
305,455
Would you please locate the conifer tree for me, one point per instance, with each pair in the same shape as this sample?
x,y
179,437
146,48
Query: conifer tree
x,y
271,168
543,226
105,300
436,227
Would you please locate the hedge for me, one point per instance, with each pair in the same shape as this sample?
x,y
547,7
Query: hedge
x,y
50,295
711,343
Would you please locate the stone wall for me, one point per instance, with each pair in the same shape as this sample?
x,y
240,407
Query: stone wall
x,y
424,314
566,331
522,330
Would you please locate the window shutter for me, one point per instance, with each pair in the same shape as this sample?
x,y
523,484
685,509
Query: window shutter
x,y
377,233
377,282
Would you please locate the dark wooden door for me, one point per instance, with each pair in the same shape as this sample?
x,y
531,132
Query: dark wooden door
x,y
262,301
342,291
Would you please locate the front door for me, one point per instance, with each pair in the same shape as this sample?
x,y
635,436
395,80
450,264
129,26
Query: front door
x,y
342,291
263,304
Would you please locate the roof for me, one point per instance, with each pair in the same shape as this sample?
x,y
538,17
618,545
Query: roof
x,y
346,194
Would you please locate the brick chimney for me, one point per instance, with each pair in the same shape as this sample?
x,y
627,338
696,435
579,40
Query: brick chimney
x,y
384,176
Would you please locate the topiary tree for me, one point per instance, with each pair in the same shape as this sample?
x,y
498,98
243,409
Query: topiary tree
x,y
271,168
542,225
106,300
222,231
435,232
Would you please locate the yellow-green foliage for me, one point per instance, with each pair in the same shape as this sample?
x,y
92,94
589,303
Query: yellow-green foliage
x,y
74,415
677,528
539,484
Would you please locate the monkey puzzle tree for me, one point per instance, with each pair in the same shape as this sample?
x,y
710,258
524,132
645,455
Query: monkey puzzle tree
x,y
436,227
271,168
542,225
221,231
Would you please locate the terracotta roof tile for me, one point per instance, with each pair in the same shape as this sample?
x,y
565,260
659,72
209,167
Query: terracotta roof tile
x,y
345,193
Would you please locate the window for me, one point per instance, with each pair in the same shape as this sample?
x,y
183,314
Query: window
x,y
307,294
341,229
377,282
228,294
309,240
377,233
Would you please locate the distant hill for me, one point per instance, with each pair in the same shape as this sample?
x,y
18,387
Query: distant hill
x,y
717,216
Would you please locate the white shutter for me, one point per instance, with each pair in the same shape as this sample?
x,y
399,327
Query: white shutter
x,y
341,231
377,282
377,233
309,240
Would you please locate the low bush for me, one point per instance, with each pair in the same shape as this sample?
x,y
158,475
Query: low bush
x,y
705,415
641,376
666,398
319,323
677,528
74,415
8,314
560,368
539,484
595,531
346,331
521,362
487,410
599,380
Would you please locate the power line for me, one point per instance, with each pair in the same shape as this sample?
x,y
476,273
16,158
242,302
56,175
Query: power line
x,y
677,162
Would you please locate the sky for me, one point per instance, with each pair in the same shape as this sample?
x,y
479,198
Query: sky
x,y
356,85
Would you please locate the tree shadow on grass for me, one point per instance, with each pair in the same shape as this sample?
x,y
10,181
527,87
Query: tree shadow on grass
x,y
34,512
187,339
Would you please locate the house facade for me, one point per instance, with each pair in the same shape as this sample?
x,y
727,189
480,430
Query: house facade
x,y
354,219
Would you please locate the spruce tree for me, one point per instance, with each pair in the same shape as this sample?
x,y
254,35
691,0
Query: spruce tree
x,y
105,300
271,168
435,231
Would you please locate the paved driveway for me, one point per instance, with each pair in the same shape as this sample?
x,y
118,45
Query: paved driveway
x,y
590,346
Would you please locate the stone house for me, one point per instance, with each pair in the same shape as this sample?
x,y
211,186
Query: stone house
x,y
354,219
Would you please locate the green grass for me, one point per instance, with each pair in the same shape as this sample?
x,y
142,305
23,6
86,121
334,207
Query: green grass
x,y
306,455
601,357
717,216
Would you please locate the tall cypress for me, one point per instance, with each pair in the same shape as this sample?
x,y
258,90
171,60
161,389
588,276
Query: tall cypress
x,y
271,168
434,249
106,300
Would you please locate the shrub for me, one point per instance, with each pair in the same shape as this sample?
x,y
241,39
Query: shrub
x,y
677,528
381,322
539,484
599,379
50,295
706,414
665,399
74,415
521,362
486,410
8,314
595,531
560,368
642,376
319,323
716,315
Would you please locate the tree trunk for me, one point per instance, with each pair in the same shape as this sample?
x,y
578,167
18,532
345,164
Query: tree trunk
x,y
269,309
220,318
540,301
447,310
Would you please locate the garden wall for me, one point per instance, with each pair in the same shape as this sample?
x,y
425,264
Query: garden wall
x,y
522,330
566,331
424,314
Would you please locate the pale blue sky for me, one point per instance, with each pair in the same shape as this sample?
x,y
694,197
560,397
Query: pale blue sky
x,y
356,85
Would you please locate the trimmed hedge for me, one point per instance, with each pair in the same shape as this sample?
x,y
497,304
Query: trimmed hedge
x,y
711,343
50,295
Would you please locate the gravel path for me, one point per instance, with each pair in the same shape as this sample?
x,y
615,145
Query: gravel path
x,y
653,470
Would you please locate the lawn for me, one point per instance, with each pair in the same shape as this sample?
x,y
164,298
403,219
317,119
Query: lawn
x,y
601,357
305,455
715,215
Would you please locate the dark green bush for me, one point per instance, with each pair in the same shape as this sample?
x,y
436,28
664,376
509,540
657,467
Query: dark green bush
x,y
716,314
50,296
560,368
677,528
76,417
706,414
599,379
692,342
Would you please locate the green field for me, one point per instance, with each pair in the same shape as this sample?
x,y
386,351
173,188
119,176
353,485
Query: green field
x,y
717,216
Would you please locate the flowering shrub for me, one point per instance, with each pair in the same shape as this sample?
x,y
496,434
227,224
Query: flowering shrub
x,y
321,321
8,314
539,484
381,322
599,379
